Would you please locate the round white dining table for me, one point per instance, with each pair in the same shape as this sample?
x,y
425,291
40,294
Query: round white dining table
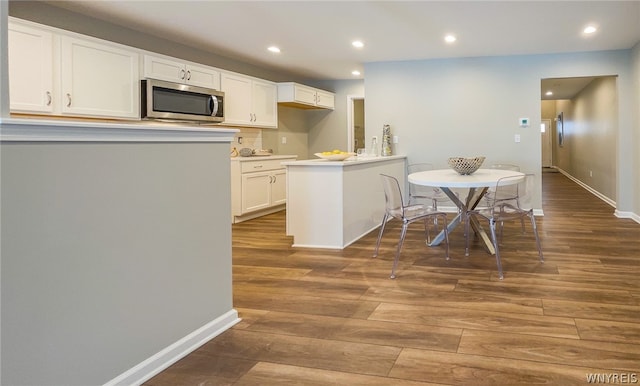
x,y
477,183
449,178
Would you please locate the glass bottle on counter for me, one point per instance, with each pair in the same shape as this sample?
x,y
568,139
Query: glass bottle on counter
x,y
374,147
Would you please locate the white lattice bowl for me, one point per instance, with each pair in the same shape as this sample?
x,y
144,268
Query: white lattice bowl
x,y
465,165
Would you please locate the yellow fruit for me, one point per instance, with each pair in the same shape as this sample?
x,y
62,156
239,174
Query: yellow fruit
x,y
326,153
337,151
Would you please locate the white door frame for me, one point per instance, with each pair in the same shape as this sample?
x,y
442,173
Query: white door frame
x,y
350,135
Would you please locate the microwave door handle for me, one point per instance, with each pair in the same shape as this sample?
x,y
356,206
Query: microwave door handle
x,y
214,109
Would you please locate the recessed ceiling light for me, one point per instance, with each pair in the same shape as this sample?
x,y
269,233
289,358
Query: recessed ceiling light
x,y
589,29
548,93
355,72
274,49
357,44
450,38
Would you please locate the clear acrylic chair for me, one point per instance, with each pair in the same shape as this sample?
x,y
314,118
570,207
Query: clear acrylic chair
x,y
419,193
395,208
499,211
508,193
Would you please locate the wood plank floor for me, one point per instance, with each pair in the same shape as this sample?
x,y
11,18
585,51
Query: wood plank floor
x,y
324,317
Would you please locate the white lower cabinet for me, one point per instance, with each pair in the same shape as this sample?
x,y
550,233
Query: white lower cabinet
x,y
258,187
263,189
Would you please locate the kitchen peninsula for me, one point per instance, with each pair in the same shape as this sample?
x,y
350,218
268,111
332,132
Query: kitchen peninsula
x,y
331,204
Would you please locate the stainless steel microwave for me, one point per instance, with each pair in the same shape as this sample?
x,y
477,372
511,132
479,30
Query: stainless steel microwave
x,y
175,101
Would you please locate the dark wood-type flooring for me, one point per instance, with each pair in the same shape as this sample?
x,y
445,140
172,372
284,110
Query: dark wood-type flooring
x,y
326,317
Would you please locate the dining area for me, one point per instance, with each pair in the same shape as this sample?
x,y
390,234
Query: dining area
x,y
312,315
491,196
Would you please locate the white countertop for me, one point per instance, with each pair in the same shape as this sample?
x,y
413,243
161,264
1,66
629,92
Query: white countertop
x,y
355,160
262,157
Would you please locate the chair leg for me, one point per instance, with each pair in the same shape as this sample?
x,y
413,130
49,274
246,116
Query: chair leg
x,y
403,233
535,232
427,234
492,225
384,222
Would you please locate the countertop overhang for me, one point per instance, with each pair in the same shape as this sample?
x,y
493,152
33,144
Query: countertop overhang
x,y
353,161
58,130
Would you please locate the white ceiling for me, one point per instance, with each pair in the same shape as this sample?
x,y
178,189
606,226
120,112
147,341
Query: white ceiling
x,y
315,36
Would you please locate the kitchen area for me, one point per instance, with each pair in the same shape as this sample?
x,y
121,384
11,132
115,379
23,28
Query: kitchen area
x,y
112,218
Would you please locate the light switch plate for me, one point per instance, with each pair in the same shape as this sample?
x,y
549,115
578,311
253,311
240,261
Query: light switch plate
x,y
517,138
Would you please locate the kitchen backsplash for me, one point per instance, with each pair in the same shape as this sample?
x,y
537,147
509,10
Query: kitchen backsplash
x,y
251,138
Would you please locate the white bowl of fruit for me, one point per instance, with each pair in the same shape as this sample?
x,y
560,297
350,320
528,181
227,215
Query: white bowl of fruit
x,y
335,155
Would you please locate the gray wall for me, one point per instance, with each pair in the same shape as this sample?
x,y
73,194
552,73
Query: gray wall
x,y
110,253
470,106
327,128
292,124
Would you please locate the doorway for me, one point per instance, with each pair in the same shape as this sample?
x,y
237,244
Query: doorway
x,y
546,141
355,123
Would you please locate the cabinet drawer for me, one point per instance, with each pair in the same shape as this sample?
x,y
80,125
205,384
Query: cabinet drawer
x,y
257,166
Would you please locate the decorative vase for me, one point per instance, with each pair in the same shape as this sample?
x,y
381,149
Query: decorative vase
x,y
386,140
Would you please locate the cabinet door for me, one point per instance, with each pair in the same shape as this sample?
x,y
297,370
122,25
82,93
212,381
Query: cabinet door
x,y
203,77
265,103
305,94
98,79
30,69
237,102
279,187
164,69
325,99
256,191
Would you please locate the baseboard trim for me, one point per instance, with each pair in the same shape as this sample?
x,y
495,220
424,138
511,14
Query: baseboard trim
x,y
630,215
258,213
150,367
635,217
588,188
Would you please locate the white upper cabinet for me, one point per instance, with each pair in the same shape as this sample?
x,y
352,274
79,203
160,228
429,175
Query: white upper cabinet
x,y
264,103
176,70
60,74
249,102
30,69
325,99
98,79
301,96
